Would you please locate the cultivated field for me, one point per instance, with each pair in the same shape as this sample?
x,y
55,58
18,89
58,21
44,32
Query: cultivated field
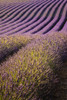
x,y
33,50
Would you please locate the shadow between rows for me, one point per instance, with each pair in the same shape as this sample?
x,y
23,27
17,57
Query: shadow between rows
x,y
10,52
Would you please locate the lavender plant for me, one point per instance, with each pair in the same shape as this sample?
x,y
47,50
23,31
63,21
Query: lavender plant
x,y
29,74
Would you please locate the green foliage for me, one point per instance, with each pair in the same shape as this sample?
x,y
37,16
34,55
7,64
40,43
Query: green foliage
x,y
29,72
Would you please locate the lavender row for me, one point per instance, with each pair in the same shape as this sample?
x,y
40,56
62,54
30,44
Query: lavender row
x,y
39,17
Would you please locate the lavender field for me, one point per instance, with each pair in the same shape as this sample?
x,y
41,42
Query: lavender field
x,y
33,50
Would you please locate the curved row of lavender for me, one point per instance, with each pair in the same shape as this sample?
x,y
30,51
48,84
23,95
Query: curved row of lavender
x,y
36,16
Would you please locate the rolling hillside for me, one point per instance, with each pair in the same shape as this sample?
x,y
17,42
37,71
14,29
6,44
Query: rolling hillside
x,y
39,16
33,50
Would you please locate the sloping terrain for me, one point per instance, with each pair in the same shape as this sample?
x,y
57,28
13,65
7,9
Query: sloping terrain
x,y
39,16
33,50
